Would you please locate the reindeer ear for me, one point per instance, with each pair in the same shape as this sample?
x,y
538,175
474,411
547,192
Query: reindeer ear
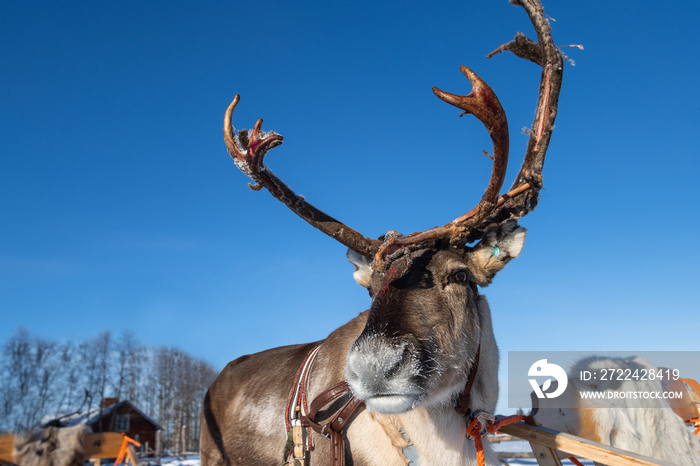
x,y
493,252
363,267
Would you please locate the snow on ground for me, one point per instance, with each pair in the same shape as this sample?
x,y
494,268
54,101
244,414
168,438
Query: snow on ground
x,y
521,446
516,446
188,461
533,461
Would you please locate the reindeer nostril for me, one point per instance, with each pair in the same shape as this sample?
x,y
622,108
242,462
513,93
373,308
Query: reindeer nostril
x,y
395,366
380,367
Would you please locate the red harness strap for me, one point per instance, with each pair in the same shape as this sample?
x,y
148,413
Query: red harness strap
x,y
297,407
474,431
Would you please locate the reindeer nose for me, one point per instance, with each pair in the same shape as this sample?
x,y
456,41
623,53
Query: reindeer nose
x,y
378,367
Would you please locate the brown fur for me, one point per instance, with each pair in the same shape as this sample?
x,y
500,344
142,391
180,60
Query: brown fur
x,y
250,397
587,425
50,447
438,323
238,399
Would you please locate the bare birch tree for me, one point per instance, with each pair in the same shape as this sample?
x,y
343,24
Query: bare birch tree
x,y
42,378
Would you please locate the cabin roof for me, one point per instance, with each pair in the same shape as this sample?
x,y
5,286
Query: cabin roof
x,y
94,414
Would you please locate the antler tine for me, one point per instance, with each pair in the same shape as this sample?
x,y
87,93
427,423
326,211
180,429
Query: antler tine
x,y
248,151
546,54
483,103
522,198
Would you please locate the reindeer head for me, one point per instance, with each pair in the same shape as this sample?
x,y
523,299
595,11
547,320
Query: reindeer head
x,y
427,321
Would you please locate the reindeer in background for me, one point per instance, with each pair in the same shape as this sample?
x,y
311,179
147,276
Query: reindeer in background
x,y
413,369
652,427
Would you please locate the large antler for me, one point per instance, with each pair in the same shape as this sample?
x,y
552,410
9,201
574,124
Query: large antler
x,y
248,152
482,102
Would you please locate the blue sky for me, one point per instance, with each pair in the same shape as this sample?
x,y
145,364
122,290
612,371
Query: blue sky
x,y
121,208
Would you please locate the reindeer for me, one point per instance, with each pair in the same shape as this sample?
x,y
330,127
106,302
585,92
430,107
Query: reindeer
x,y
398,380
652,427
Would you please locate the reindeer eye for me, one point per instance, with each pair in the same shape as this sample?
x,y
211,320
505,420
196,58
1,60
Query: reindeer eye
x,y
460,277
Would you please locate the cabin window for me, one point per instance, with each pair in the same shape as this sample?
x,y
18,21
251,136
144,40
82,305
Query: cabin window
x,y
121,423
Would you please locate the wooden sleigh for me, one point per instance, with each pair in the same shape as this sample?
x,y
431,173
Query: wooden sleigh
x,y
546,443
97,446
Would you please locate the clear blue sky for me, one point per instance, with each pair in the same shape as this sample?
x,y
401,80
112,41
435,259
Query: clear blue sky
x,y
121,208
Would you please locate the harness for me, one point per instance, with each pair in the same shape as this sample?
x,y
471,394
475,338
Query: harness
x,y
298,439
298,428
300,417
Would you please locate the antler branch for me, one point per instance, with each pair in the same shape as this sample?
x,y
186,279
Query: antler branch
x,y
483,103
248,150
523,195
546,54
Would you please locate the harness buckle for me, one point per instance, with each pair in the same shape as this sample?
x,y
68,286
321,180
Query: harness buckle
x,y
484,416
